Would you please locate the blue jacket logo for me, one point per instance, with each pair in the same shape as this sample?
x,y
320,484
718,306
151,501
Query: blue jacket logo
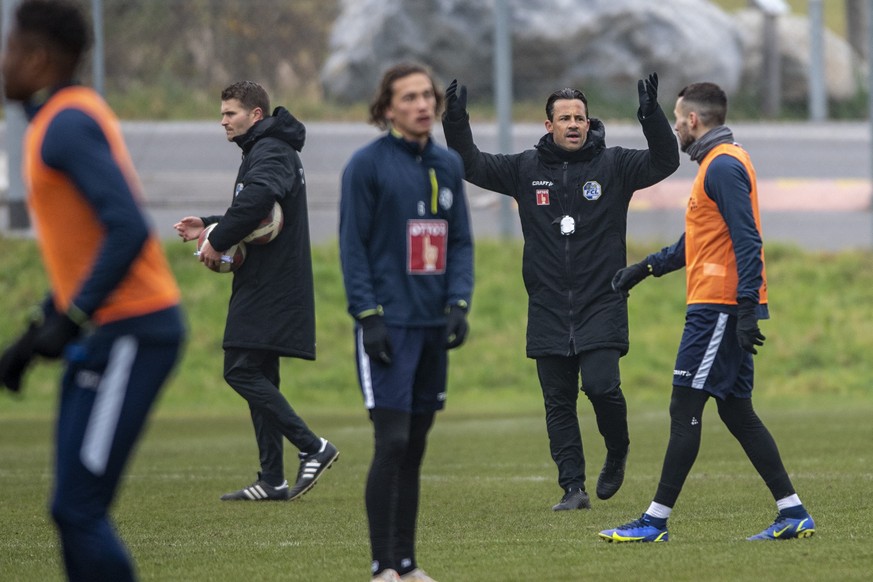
x,y
591,190
446,198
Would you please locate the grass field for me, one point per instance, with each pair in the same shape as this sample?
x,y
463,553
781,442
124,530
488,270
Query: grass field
x,y
488,480
487,488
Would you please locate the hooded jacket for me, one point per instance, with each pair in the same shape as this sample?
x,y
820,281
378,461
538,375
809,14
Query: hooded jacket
x,y
272,305
571,304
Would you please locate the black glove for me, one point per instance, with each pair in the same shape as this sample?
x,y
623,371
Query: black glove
x,y
16,358
456,327
376,342
456,101
625,279
648,90
53,335
748,333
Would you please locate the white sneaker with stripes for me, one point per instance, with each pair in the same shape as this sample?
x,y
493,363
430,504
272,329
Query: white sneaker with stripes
x,y
311,468
259,491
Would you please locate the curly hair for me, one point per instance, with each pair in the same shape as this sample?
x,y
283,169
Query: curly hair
x,y
382,101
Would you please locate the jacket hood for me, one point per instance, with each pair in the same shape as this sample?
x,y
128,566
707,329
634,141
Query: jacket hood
x,y
594,144
281,125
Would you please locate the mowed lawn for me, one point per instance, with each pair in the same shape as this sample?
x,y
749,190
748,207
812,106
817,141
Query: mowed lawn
x,y
487,488
488,481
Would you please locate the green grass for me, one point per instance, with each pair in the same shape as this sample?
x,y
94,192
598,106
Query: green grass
x,y
488,480
487,488
818,340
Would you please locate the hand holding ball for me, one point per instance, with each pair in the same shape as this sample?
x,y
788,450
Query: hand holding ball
x,y
231,260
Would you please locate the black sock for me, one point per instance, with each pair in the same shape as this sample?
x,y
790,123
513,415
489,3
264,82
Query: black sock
x,y
796,512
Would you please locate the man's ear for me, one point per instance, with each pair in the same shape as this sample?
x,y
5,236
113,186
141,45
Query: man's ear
x,y
258,113
38,60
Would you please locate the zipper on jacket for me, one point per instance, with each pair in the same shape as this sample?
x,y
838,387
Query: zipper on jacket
x,y
568,265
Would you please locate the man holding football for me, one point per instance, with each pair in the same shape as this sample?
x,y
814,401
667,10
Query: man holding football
x,y
272,306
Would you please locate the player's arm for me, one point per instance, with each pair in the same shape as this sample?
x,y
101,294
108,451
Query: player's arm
x,y
459,260
729,185
496,172
356,221
662,156
268,179
667,260
459,264
644,168
76,146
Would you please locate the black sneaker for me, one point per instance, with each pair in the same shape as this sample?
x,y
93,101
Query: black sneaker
x,y
259,491
574,498
311,468
611,476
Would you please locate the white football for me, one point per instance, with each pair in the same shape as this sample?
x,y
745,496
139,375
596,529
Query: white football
x,y
231,260
269,228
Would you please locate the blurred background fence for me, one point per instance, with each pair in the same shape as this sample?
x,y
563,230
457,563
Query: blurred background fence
x,y
167,59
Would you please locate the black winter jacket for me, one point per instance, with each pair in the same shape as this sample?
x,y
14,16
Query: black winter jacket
x,y
571,304
272,305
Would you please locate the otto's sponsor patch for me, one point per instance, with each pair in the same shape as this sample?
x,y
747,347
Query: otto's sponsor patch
x,y
426,242
542,197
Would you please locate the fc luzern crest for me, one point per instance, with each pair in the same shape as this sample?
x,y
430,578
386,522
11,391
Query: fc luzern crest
x,y
591,190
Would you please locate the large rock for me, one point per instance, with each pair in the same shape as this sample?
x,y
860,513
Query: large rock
x,y
599,46
841,70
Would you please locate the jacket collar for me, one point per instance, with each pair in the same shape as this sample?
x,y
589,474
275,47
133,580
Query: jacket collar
x,y
281,125
412,146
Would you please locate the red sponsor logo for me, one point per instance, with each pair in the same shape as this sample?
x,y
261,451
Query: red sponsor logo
x,y
542,197
426,242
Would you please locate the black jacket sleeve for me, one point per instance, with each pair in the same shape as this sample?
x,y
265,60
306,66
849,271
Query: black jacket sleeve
x,y
269,176
497,172
650,166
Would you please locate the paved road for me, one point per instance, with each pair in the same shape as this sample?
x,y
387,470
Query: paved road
x,y
814,178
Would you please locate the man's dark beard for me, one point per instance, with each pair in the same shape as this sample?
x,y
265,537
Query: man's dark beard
x,y
684,145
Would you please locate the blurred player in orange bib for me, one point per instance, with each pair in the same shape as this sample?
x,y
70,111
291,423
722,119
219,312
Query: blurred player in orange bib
x,y
113,311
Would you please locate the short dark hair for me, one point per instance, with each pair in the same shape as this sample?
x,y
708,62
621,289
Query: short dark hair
x,y
249,94
565,93
385,92
60,23
708,100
